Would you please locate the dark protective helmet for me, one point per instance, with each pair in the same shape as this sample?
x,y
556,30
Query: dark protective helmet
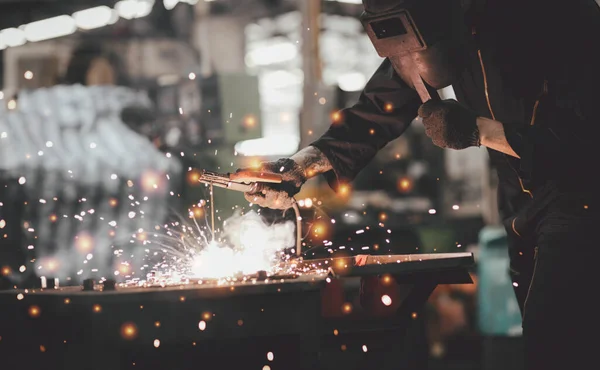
x,y
379,6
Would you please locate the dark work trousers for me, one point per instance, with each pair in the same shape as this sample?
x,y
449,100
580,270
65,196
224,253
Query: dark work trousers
x,y
555,268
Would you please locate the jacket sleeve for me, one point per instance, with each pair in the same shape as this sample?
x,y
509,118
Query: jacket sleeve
x,y
559,144
386,107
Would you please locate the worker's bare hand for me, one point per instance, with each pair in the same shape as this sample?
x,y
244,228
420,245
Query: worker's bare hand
x,y
278,196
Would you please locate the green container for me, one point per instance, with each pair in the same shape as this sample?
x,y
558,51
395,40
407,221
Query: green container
x,y
499,313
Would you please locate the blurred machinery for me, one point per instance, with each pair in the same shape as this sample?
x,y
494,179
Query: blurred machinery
x,y
82,186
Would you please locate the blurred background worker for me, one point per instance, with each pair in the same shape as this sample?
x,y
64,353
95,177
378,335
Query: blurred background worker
x,y
530,105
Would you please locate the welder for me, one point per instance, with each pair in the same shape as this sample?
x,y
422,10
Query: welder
x,y
525,74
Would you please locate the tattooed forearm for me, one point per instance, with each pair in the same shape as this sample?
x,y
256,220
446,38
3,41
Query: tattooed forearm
x,y
313,161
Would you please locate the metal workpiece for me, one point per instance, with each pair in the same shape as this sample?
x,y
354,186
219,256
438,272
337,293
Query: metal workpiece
x,y
309,320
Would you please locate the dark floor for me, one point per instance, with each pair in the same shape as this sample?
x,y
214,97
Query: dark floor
x,y
481,353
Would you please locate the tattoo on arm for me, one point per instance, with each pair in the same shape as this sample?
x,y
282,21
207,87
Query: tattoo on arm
x,y
313,161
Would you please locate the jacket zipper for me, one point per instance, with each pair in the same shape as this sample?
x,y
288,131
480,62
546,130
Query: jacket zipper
x,y
514,228
485,85
489,104
535,263
537,102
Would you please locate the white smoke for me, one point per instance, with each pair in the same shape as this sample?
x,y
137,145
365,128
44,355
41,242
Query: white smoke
x,y
250,245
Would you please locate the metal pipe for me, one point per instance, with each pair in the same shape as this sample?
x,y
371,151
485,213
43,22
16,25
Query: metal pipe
x,y
298,228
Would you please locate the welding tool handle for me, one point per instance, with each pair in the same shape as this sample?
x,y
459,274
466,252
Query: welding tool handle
x,y
256,176
244,188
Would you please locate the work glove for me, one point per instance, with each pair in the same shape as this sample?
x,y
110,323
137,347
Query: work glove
x,y
277,196
450,124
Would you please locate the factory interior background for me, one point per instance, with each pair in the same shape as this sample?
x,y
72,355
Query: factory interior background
x,y
109,111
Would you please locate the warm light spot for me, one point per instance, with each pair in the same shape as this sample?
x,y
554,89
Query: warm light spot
x,y
52,218
12,104
142,236
371,131
67,301
320,229
111,233
97,308
585,206
270,356
340,264
6,270
310,132
347,308
84,242
129,331
386,279
382,217
42,348
193,177
197,212
113,202
308,203
388,107
124,269
404,185
386,300
336,117
322,101
207,316
398,156
255,163
266,367
182,299
344,190
150,181
157,324
249,121
414,315
240,322
343,347
51,264
156,343
202,325
335,332
20,296
376,247
34,311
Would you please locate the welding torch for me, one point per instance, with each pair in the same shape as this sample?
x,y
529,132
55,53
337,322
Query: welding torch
x,y
245,182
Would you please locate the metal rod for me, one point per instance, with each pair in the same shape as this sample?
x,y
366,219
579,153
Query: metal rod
x,y
212,210
298,229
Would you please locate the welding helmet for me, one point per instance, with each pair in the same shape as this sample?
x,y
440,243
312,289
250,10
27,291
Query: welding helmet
x,y
424,40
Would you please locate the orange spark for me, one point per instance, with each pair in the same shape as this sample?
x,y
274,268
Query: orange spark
x,y
34,311
193,177
129,331
404,185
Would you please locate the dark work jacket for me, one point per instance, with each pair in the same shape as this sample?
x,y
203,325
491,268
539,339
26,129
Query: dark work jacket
x,y
534,65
